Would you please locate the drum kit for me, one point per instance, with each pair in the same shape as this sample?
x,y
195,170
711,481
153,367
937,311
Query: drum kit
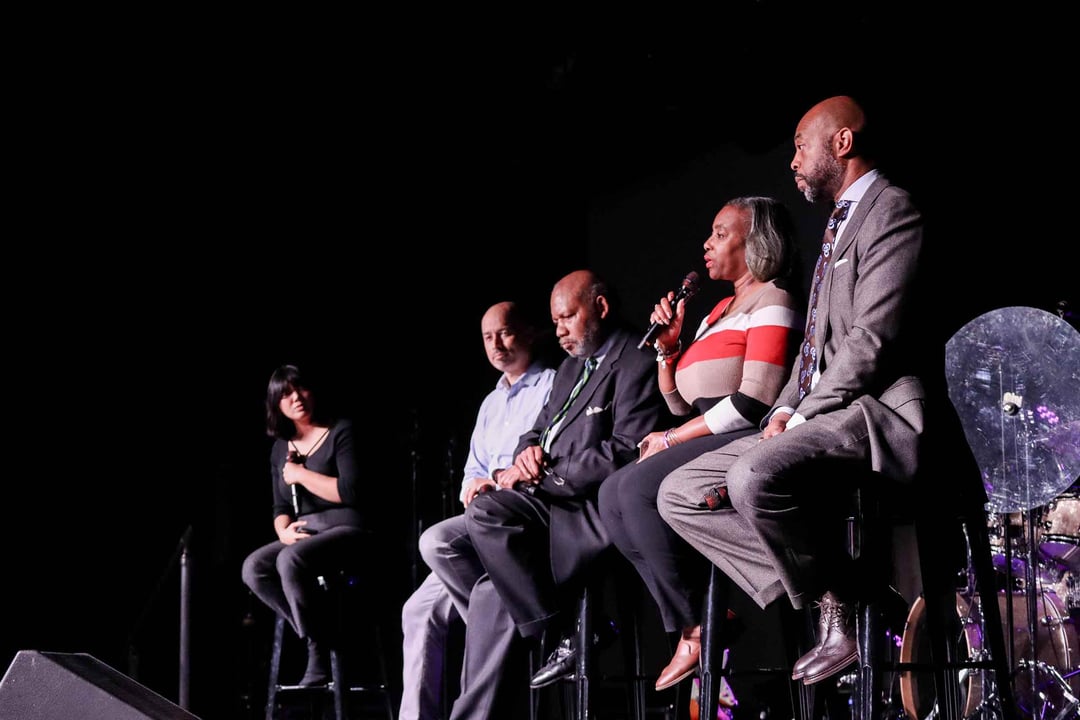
x,y
1014,378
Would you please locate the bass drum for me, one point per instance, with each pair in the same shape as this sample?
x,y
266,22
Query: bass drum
x,y
1058,654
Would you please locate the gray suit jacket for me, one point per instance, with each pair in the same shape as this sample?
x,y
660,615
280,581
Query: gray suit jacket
x,y
867,348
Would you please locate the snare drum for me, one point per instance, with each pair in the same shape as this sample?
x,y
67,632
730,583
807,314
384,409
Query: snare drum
x,y
1058,654
1059,536
1002,528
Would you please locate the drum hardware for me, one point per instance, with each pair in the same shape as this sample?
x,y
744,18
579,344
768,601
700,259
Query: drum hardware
x,y
1042,692
1055,700
1055,645
1013,379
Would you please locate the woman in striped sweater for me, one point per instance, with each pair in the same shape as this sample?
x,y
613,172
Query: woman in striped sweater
x,y
723,382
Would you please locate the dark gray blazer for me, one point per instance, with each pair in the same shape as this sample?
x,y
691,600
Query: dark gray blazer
x,y
619,406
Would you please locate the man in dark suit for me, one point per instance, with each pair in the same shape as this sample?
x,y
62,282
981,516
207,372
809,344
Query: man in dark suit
x,y
541,530
854,402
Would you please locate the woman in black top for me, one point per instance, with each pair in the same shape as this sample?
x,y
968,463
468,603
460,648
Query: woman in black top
x,y
313,466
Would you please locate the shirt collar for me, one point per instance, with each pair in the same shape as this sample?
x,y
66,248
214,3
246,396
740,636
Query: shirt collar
x,y
603,350
531,377
858,188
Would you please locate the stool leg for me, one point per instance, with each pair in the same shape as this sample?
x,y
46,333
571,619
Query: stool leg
x,y
979,542
339,690
941,623
275,667
584,648
871,549
871,630
536,660
384,676
636,680
629,586
797,629
713,618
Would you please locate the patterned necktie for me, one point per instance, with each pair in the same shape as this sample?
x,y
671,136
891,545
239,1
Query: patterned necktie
x,y
590,365
808,353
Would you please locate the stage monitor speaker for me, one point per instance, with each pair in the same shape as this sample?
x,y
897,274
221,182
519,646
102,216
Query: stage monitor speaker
x,y
62,686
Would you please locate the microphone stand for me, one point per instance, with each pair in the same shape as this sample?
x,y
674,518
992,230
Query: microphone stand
x,y
179,557
448,479
185,620
414,521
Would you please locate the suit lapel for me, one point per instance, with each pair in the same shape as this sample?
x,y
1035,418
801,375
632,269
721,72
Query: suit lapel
x,y
862,209
843,245
584,400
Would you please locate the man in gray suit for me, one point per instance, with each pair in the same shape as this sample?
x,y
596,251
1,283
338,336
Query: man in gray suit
x,y
536,537
759,507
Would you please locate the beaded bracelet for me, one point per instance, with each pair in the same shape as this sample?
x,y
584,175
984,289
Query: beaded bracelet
x,y
665,357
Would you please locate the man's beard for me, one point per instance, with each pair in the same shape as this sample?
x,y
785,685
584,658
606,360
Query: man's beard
x,y
822,179
589,341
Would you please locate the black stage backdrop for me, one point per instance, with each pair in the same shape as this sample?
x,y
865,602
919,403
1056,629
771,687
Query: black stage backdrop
x,y
203,198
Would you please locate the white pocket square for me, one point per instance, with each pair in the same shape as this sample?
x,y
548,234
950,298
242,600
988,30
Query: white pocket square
x,y
840,262
593,411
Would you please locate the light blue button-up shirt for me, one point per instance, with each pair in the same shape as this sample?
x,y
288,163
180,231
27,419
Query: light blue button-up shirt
x,y
507,413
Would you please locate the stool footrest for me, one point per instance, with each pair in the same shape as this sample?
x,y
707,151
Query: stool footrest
x,y
928,667
305,688
329,687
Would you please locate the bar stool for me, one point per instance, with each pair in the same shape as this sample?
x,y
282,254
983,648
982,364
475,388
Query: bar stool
x,y
796,634
877,510
578,690
340,689
873,518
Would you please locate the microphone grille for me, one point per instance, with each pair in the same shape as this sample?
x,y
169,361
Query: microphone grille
x,y
691,280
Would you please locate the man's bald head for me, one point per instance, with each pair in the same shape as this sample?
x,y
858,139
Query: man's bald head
x,y
579,306
509,339
838,112
832,148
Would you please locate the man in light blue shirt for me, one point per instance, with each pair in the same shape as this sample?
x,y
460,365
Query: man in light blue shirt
x,y
507,412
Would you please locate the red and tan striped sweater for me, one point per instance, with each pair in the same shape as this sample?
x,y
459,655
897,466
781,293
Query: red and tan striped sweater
x,y
737,364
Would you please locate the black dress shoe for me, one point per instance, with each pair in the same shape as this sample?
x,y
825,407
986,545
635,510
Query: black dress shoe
x,y
562,662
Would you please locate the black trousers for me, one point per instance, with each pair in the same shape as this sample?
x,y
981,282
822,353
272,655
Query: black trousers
x,y
674,572
284,577
510,531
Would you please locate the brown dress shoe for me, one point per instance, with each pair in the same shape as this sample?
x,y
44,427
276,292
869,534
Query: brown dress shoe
x,y
798,670
838,648
685,662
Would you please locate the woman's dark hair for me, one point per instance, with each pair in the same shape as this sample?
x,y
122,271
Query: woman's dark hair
x,y
282,382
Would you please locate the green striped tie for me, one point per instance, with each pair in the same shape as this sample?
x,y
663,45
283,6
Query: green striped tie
x,y
590,365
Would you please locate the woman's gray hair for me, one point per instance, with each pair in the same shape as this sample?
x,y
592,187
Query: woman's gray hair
x,y
771,248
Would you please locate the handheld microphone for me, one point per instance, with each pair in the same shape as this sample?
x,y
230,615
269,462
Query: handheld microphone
x,y
685,291
295,457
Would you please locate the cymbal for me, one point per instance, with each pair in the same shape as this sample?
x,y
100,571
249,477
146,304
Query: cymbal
x,y
1013,376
